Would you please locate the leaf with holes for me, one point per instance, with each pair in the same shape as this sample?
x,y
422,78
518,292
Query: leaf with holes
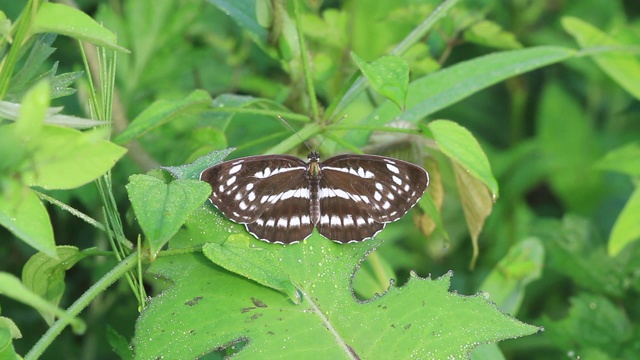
x,y
209,307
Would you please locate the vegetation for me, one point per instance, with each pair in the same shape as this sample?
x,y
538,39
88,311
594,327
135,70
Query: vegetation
x,y
525,114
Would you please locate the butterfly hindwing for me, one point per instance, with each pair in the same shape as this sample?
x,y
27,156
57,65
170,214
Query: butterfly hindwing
x,y
359,194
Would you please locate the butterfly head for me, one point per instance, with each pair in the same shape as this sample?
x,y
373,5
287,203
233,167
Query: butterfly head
x,y
314,157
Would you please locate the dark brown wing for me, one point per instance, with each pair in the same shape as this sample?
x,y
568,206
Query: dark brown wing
x,y
270,194
359,194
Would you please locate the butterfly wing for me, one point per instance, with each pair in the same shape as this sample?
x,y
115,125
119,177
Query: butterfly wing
x,y
269,194
359,194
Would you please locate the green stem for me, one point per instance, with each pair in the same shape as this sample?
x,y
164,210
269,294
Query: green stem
x,y
360,84
306,68
82,302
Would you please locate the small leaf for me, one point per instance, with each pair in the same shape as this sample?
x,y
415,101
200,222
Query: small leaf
x,y
627,226
489,33
14,331
574,250
243,12
32,113
65,20
119,344
11,287
162,208
477,204
163,111
229,255
388,75
193,170
44,275
22,213
592,321
506,283
625,159
5,27
459,144
623,68
7,350
442,88
66,158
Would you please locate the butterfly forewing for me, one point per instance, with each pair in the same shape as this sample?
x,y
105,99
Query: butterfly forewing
x,y
243,189
359,194
348,198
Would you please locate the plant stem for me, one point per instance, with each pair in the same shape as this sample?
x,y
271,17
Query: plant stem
x,y
82,302
415,36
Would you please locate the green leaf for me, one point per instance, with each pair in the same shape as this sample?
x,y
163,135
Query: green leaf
x,y
22,213
522,265
66,158
625,159
442,88
11,287
575,250
489,33
243,12
569,147
32,113
627,226
193,170
593,321
162,208
44,275
405,321
119,344
5,27
388,75
462,147
14,331
229,255
65,20
163,111
7,351
477,204
623,68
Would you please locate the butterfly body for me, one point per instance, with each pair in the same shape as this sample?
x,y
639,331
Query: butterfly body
x,y
348,198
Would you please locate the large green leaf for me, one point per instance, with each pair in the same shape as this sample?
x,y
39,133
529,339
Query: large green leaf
x,y
65,158
210,308
163,111
623,68
65,20
445,87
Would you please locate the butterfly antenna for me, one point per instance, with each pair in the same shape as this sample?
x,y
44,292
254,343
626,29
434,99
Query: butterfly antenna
x,y
333,125
295,132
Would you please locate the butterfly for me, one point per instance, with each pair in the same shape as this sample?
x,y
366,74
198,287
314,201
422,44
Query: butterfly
x,y
348,198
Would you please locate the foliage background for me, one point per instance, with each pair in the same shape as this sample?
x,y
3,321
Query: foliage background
x,y
544,133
